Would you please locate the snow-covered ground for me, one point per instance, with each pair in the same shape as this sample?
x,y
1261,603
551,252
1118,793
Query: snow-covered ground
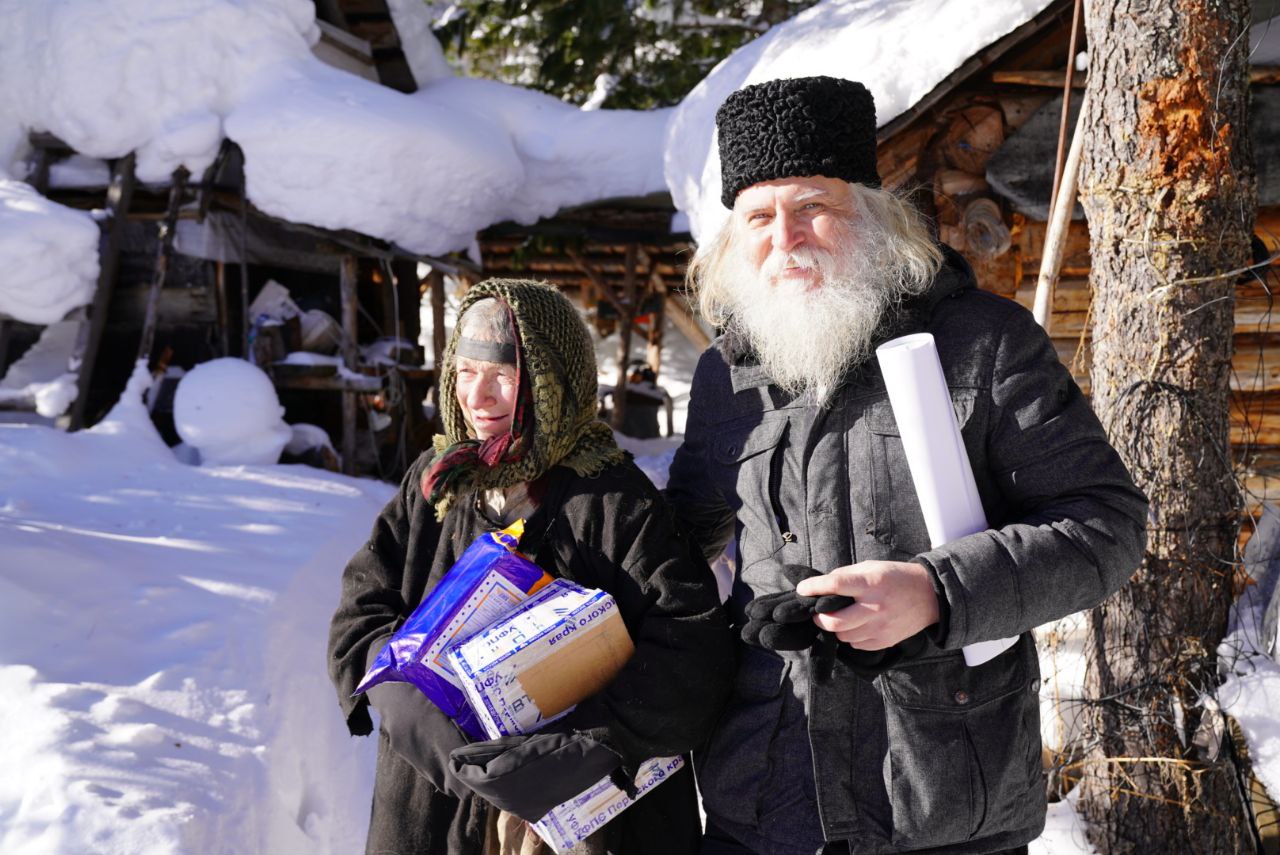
x,y
162,632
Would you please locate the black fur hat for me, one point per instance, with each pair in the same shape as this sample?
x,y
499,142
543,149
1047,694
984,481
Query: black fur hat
x,y
795,128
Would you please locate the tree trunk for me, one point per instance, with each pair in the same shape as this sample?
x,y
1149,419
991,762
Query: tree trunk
x,y
1168,188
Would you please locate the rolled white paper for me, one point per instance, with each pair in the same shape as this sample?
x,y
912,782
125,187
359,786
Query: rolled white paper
x,y
936,456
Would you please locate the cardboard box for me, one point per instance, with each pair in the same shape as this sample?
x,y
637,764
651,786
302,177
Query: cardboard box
x,y
560,646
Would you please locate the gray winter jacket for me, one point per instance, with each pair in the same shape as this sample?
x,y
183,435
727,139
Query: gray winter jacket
x,y
933,755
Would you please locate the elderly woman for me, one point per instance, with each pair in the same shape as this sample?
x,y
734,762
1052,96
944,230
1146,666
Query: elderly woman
x,y
522,441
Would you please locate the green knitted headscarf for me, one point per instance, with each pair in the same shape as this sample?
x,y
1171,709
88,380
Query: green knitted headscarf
x,y
557,363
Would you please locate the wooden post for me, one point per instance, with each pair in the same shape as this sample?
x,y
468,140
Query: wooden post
x,y
167,227
224,318
435,280
653,353
1066,105
348,276
89,338
1059,225
628,313
409,299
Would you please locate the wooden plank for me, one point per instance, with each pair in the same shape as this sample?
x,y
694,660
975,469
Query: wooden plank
x,y
1255,367
1255,419
330,383
1028,236
89,339
1045,79
1258,473
897,157
349,272
1256,311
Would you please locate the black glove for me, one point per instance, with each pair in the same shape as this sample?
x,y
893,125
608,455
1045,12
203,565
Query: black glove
x,y
529,775
784,621
420,733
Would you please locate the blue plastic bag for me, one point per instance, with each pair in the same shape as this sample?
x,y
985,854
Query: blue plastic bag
x,y
487,581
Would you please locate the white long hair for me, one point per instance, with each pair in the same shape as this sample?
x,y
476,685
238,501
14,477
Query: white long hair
x,y
806,340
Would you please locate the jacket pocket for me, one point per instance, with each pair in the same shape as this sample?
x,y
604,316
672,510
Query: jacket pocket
x,y
963,761
747,458
732,768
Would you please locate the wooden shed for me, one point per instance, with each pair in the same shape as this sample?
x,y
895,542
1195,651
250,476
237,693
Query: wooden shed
x,y
182,263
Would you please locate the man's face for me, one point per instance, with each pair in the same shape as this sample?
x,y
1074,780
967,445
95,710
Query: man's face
x,y
782,226
487,393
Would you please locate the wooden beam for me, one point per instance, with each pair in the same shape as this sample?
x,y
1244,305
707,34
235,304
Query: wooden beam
x,y
596,280
349,273
89,339
1051,79
682,318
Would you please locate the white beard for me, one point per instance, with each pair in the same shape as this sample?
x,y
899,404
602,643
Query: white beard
x,y
807,339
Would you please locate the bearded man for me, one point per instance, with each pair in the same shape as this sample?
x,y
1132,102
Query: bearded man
x,y
855,724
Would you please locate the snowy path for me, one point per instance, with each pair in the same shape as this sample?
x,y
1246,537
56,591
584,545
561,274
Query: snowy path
x,y
162,683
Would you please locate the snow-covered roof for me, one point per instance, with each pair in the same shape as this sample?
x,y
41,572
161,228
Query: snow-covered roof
x,y
901,50
425,171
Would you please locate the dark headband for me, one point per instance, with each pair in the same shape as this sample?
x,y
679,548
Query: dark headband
x,y
486,351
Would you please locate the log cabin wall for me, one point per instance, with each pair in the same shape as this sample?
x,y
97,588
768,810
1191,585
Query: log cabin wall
x,y
940,158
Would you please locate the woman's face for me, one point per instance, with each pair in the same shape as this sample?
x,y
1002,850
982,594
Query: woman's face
x,y
487,395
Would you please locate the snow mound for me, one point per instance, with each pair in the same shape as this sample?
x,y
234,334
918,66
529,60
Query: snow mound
x,y
48,252
900,49
227,409
144,708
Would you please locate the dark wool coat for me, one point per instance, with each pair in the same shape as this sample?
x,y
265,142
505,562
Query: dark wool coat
x,y
933,755
612,531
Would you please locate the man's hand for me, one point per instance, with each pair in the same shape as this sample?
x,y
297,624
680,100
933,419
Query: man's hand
x,y
893,601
